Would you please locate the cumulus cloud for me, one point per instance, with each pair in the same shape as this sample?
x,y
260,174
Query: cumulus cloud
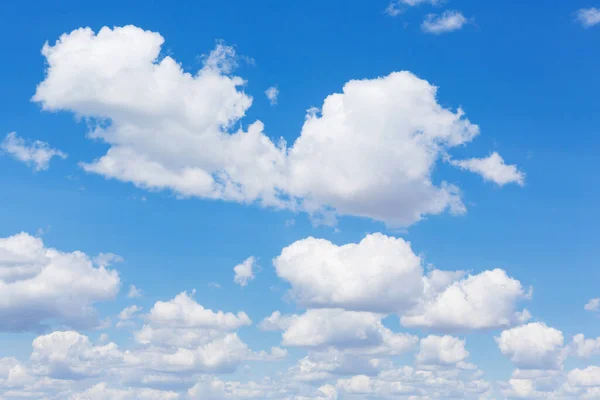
x,y
134,292
441,350
244,272
353,332
483,301
533,346
272,94
397,7
369,151
448,21
582,347
41,285
102,391
588,17
592,305
492,169
379,274
36,154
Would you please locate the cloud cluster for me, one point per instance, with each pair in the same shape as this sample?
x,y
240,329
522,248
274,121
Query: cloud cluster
x,y
368,151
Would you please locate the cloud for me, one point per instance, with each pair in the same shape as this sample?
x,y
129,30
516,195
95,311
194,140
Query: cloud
x,y
244,272
441,350
350,331
533,346
41,285
272,94
379,274
483,301
397,7
588,17
369,151
492,169
448,21
102,391
134,292
582,347
36,154
593,305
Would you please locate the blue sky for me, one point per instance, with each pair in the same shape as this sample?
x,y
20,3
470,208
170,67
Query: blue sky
x,y
136,135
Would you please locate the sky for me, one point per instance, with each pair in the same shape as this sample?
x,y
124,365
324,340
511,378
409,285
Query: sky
x,y
299,200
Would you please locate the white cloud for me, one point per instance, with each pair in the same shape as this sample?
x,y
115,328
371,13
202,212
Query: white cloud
x,y
582,347
36,154
592,305
588,17
492,169
183,311
448,21
379,274
533,346
272,94
589,376
370,151
134,292
103,391
353,332
483,301
397,7
126,315
441,350
70,355
40,285
244,272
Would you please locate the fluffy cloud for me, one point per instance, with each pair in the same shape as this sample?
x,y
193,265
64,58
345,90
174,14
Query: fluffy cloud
x,y
40,285
482,301
448,21
353,332
533,346
102,391
589,376
441,350
592,305
379,274
244,272
272,94
588,17
36,154
492,169
582,347
70,355
369,151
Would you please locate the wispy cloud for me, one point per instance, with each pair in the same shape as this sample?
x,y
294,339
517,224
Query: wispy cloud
x,y
448,21
272,94
397,7
588,17
36,154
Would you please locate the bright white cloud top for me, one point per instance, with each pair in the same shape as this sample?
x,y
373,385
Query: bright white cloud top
x,y
448,21
369,151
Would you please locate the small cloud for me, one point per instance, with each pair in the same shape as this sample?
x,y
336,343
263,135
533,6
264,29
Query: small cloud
x,y
134,292
593,305
290,222
397,7
105,259
588,17
42,231
448,21
272,94
244,272
492,169
103,338
36,154
214,285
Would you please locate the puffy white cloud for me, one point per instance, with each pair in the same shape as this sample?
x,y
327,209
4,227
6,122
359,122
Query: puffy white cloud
x,y
448,21
589,376
379,274
244,272
272,94
351,331
370,150
36,154
492,169
592,305
441,350
588,17
102,391
70,355
40,285
582,347
183,311
533,346
482,301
